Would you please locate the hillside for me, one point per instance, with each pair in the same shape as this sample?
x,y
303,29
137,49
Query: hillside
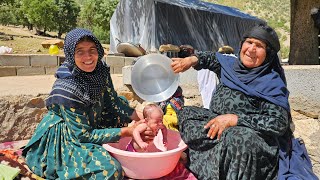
x,y
276,14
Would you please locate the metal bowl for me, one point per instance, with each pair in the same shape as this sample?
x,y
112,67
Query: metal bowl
x,y
130,49
153,79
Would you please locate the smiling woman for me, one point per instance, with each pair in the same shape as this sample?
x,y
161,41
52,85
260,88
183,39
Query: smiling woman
x,y
249,112
84,112
253,52
86,55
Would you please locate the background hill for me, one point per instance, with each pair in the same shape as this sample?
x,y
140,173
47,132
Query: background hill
x,y
276,14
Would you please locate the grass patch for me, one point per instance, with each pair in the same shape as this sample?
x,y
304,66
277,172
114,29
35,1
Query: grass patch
x,y
25,45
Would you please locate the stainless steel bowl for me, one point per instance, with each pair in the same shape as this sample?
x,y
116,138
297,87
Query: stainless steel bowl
x,y
153,79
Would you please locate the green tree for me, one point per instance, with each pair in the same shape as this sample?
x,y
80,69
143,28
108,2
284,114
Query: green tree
x,y
40,13
20,15
103,17
66,16
6,15
86,18
96,15
9,12
6,2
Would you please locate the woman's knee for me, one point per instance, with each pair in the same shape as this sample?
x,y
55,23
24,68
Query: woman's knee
x,y
240,136
118,172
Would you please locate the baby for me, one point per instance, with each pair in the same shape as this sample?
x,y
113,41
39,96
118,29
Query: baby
x,y
153,116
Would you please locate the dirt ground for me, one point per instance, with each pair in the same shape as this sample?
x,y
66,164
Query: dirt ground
x,y
22,98
22,41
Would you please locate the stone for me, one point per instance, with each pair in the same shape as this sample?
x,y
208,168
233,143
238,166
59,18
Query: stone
x,y
127,95
47,43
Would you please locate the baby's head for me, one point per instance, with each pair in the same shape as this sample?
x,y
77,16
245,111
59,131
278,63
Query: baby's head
x,y
153,114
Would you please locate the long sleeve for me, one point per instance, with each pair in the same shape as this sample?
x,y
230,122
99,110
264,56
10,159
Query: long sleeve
x,y
272,120
208,60
115,108
80,128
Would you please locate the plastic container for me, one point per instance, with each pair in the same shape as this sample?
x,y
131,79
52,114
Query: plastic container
x,y
148,165
53,49
5,50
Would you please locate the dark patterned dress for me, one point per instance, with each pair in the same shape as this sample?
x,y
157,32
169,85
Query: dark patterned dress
x,y
246,151
67,142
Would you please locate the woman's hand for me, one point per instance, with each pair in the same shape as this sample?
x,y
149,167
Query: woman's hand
x,y
183,64
136,115
219,124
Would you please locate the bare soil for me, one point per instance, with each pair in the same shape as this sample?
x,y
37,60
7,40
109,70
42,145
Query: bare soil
x,y
22,40
20,96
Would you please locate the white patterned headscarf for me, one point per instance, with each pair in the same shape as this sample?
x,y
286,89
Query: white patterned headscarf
x,y
74,87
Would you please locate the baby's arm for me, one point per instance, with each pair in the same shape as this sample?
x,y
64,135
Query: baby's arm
x,y
136,135
164,130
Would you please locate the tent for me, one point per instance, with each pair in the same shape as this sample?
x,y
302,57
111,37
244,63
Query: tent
x,y
203,25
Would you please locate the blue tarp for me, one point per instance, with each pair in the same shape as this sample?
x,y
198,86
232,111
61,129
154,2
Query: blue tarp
x,y
203,25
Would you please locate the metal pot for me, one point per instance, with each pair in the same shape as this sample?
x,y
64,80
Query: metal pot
x,y
130,49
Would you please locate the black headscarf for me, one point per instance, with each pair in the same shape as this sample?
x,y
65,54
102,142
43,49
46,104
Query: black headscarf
x,y
74,87
266,81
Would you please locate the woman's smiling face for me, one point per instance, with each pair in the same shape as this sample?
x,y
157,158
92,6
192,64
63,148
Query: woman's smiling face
x,y
86,56
253,52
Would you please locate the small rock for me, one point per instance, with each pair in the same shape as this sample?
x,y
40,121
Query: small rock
x,y
47,43
127,95
37,102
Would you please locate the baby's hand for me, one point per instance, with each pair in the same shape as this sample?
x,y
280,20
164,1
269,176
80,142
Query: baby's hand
x,y
143,145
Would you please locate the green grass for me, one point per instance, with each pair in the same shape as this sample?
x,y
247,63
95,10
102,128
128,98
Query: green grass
x,y
25,45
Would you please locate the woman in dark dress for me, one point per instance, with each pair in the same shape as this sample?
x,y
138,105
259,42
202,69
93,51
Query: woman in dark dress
x,y
238,138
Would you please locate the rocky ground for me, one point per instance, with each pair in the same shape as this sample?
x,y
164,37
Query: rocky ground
x,y
22,107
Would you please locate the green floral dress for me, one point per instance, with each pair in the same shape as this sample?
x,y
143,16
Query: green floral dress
x,y
67,142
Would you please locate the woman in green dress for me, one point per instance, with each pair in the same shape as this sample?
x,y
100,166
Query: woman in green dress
x,y
84,112
239,136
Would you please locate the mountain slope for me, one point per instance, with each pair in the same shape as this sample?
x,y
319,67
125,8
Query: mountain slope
x,y
276,14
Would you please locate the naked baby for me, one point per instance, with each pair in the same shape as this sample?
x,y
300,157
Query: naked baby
x,y
153,115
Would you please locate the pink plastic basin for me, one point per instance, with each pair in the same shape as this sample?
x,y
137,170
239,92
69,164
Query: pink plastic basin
x,y
148,165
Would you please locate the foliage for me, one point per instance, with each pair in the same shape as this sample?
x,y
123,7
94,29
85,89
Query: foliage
x,y
53,15
40,13
96,15
6,2
66,16
80,2
285,52
6,15
10,13
86,19
20,16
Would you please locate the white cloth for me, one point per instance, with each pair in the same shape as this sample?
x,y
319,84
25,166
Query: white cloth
x,y
158,141
207,82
